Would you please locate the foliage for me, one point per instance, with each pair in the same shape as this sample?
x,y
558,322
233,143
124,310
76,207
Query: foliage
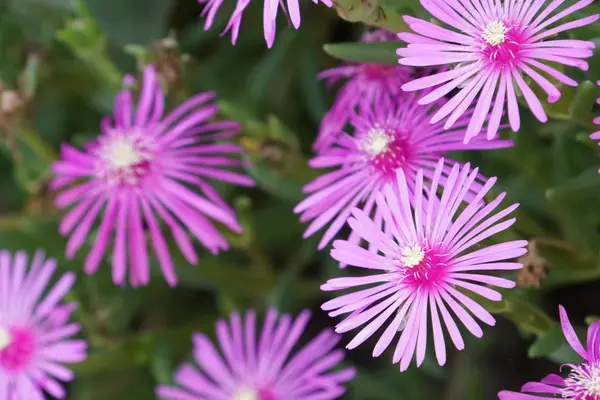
x,y
70,57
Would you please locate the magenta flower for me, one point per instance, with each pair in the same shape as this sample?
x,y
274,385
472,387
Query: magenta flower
x,y
260,368
271,7
365,84
583,381
36,337
427,256
494,47
596,135
139,171
392,135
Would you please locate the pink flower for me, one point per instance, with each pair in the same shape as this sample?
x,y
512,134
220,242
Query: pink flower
x,y
252,367
271,7
139,171
427,256
365,84
390,135
583,381
36,337
494,46
596,135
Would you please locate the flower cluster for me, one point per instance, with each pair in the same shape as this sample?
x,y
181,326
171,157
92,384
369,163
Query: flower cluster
x,y
424,230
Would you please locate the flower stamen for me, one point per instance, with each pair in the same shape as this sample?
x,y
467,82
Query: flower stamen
x,y
583,382
376,142
495,33
5,338
411,256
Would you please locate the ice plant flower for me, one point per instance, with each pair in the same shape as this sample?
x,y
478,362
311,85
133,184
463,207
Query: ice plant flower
x,y
392,134
583,380
262,368
494,47
141,169
364,84
270,9
36,337
596,135
429,255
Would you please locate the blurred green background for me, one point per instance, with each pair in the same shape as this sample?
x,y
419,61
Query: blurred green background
x,y
61,62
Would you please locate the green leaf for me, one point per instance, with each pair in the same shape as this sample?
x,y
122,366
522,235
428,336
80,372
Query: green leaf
x,y
586,182
377,53
583,102
371,13
275,182
549,343
132,21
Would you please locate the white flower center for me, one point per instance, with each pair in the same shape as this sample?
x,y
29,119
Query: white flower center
x,y
245,393
5,339
122,153
495,33
123,156
412,255
583,382
376,142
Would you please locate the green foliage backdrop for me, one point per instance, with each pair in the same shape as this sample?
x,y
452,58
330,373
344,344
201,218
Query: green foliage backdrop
x,y
66,59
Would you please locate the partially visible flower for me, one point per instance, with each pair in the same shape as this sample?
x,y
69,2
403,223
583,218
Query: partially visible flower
x,y
260,367
596,135
583,381
429,257
390,135
270,9
494,46
36,337
365,84
139,171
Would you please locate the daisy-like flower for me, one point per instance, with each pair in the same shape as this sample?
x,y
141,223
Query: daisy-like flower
x,y
494,46
365,84
392,134
596,135
262,368
140,170
583,381
271,7
36,337
429,256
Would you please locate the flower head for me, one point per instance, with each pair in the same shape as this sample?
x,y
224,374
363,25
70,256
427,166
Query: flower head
x,y
582,381
494,47
262,368
271,7
140,170
596,135
428,256
35,332
392,134
365,84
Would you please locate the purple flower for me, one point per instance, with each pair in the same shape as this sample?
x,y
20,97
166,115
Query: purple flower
x,y
260,368
393,134
35,332
271,7
583,381
139,171
365,84
427,256
596,135
494,47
